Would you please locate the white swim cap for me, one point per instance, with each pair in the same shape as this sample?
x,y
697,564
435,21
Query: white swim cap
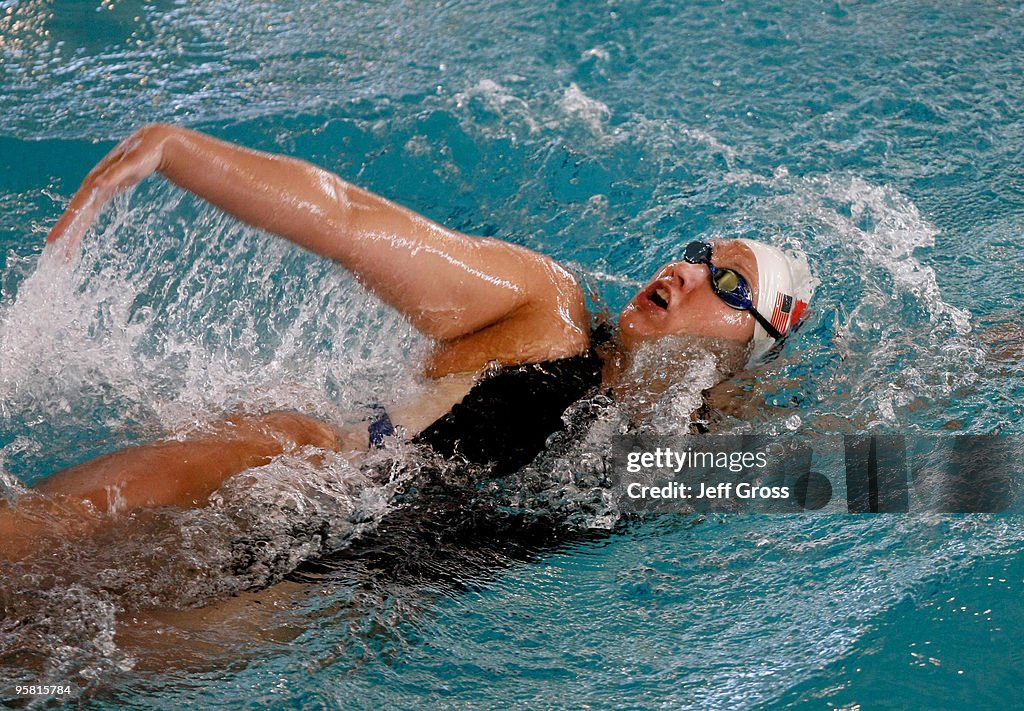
x,y
784,287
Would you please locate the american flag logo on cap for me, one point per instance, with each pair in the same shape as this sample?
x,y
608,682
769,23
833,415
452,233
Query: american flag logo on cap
x,y
781,313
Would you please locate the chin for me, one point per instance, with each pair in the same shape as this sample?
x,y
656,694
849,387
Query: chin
x,y
631,336
632,329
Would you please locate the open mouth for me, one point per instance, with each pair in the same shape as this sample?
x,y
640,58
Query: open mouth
x,y
659,297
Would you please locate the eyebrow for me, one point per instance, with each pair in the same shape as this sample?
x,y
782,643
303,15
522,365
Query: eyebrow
x,y
737,258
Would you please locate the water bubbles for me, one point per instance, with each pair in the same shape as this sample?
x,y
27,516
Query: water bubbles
x,y
593,113
893,337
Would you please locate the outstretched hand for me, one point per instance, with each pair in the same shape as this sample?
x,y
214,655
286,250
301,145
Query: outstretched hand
x,y
132,159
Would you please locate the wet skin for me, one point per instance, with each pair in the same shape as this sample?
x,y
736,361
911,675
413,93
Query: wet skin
x,y
680,300
481,301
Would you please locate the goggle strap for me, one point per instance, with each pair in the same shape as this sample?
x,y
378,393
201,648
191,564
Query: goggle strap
x,y
699,252
765,324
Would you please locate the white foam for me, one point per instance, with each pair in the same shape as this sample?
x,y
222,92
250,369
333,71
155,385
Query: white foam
x,y
513,111
591,112
902,342
176,314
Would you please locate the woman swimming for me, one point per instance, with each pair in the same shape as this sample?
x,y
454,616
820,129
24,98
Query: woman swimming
x,y
512,337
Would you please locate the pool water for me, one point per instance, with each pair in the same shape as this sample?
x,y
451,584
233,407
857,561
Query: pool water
x,y
882,138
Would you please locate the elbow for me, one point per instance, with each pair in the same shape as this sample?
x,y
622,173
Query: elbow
x,y
444,327
154,132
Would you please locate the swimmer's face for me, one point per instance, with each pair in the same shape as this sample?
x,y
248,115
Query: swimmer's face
x,y
681,301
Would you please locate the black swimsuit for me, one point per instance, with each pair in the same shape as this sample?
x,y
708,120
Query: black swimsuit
x,y
441,523
505,419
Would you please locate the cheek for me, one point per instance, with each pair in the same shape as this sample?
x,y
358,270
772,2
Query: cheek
x,y
729,323
737,319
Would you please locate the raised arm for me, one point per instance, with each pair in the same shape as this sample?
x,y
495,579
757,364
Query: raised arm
x,y
449,285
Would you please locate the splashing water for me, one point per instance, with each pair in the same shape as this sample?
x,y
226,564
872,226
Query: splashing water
x,y
605,136
166,321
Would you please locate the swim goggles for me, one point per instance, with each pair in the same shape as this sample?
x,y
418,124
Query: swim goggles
x,y
730,286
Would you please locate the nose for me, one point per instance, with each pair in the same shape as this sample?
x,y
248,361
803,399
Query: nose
x,y
686,276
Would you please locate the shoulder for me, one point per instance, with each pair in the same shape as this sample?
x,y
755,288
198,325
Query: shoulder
x,y
559,302
552,322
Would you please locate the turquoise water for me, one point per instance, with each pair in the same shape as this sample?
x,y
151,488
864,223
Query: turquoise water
x,y
883,138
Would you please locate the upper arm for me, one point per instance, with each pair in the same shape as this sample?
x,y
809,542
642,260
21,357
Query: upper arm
x,y
553,323
448,284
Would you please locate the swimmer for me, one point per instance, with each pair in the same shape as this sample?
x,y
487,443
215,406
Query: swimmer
x,y
512,338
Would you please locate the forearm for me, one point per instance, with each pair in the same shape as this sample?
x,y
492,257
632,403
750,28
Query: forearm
x,y
184,472
289,197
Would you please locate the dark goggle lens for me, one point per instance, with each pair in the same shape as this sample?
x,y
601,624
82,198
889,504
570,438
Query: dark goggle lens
x,y
697,253
725,280
729,285
731,288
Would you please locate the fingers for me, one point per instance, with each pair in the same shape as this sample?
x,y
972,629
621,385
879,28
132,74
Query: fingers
x,y
73,224
129,162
